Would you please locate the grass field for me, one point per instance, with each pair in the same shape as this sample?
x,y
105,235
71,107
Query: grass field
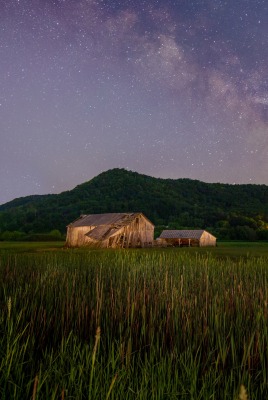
x,y
234,249
133,324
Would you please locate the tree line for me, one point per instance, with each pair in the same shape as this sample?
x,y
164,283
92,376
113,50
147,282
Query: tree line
x,y
231,212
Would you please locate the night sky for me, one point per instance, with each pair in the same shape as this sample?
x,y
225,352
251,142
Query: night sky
x,y
171,89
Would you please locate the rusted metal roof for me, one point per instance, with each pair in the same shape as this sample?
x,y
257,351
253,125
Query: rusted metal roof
x,y
101,232
182,234
104,219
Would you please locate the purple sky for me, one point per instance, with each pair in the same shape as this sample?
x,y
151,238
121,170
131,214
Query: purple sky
x,y
174,89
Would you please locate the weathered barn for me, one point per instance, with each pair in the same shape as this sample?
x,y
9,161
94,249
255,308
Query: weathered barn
x,y
186,238
111,230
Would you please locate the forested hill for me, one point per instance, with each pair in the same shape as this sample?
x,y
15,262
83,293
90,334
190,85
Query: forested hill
x,y
228,211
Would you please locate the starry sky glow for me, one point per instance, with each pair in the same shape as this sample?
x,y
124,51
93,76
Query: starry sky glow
x,y
172,89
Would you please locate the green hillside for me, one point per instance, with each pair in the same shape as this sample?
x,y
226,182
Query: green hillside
x,y
228,211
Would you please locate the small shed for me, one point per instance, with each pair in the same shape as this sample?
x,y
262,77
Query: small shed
x,y
180,238
115,230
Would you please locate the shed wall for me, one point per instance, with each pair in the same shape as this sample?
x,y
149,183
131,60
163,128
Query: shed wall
x,y
207,240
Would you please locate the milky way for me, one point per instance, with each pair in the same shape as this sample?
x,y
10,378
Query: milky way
x,y
174,89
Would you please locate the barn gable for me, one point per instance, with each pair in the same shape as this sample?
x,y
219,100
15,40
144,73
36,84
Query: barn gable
x,y
111,230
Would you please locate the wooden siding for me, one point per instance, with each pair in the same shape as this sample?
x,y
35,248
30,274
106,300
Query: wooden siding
x,y
76,236
205,239
139,232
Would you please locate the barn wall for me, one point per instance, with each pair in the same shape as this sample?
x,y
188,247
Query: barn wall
x,y
95,243
139,233
76,236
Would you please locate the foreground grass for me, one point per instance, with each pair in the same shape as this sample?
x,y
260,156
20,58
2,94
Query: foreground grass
x,y
156,324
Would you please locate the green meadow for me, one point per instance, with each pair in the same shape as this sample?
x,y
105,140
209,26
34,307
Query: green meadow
x,y
188,323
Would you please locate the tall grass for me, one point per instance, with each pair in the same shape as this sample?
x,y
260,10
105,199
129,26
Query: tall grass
x,y
158,324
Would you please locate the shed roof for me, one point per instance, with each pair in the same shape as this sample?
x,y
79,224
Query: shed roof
x,y
182,234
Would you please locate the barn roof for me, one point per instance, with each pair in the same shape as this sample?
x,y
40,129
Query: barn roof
x,y
100,219
116,220
182,234
101,232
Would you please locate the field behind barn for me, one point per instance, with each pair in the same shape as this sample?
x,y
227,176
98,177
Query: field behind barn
x,y
133,324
